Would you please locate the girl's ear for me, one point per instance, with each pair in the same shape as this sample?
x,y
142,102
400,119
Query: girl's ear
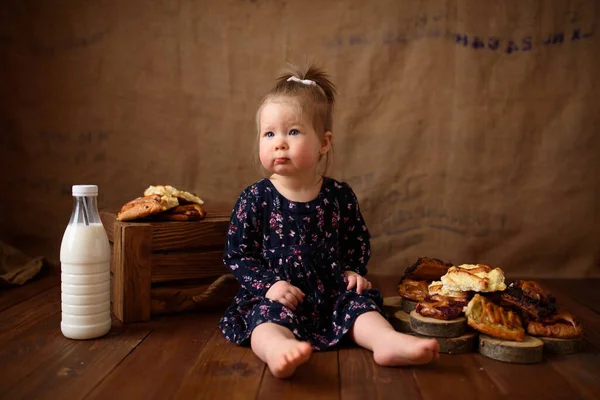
x,y
326,142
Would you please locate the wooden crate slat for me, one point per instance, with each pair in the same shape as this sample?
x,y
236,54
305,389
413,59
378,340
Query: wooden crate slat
x,y
132,274
189,265
207,233
177,235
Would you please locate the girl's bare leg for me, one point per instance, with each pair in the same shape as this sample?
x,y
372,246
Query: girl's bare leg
x,y
278,347
391,348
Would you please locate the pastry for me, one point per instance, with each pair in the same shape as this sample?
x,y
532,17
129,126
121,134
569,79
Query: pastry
x,y
426,269
146,206
562,325
441,307
437,287
413,290
186,212
168,190
488,318
529,298
475,277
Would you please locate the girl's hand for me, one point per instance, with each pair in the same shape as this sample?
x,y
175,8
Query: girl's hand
x,y
285,293
357,280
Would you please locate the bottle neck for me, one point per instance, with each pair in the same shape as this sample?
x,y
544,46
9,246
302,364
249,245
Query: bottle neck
x,y
85,210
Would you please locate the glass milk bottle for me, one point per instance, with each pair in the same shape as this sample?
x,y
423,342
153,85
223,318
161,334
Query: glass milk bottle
x,y
85,269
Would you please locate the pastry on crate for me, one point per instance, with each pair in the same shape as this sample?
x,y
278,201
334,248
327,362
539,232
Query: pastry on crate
x,y
186,212
145,206
486,317
168,190
163,203
473,277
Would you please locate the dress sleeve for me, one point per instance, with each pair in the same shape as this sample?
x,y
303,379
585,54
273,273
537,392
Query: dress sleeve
x,y
243,250
355,237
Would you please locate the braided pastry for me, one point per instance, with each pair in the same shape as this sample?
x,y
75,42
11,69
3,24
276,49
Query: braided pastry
x,y
488,318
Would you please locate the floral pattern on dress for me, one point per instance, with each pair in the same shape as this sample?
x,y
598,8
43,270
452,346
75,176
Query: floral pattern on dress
x,y
309,244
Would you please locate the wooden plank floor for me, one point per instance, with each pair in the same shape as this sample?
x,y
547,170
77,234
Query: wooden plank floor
x,y
186,357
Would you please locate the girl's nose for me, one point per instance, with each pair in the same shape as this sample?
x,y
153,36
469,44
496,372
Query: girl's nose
x,y
281,145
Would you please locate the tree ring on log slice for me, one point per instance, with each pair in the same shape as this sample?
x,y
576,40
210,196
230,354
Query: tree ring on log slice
x,y
528,351
437,327
401,322
560,346
408,305
391,305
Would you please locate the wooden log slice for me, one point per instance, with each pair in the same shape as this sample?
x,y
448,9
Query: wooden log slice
x,y
408,305
401,322
466,343
391,305
528,351
561,346
437,327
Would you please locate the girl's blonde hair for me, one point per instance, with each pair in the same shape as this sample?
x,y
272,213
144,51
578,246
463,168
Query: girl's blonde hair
x,y
315,100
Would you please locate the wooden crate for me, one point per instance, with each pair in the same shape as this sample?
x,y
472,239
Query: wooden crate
x,y
164,267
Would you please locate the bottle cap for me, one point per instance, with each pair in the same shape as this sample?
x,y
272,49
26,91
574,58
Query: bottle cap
x,y
85,190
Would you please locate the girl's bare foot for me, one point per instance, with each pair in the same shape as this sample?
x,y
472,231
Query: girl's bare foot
x,y
286,355
396,349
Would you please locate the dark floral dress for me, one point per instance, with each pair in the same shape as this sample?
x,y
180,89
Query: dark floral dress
x,y
307,244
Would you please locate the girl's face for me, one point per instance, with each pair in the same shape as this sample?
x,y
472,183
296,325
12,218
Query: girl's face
x,y
288,143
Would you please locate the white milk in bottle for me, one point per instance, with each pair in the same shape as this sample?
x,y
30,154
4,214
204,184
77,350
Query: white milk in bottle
x,y
85,269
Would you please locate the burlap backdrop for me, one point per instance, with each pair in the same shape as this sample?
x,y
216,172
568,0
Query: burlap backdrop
x,y
469,130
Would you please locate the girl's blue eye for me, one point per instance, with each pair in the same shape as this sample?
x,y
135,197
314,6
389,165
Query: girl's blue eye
x,y
294,132
269,134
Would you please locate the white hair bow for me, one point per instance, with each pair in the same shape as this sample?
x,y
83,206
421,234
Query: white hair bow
x,y
303,81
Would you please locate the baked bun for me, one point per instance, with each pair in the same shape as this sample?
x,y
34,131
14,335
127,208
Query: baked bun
x,y
475,277
145,206
168,190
